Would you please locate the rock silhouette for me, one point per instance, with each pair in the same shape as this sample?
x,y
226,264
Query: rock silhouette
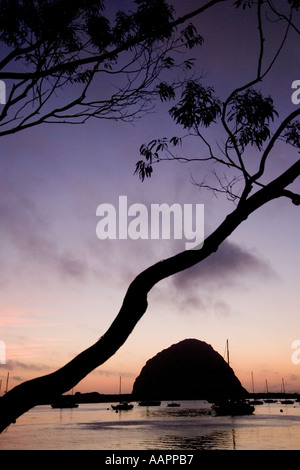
x,y
190,369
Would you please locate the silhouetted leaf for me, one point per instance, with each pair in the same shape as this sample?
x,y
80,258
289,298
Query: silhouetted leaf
x,y
191,37
198,106
166,91
153,19
294,4
251,113
189,63
244,3
291,134
143,170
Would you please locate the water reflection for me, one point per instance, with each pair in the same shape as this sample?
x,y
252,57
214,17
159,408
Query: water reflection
x,y
190,427
177,412
185,428
219,439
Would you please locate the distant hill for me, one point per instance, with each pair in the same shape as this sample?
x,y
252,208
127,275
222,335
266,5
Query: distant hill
x,y
190,369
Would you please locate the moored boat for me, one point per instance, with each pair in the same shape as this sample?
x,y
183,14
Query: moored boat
x,y
269,400
233,408
64,404
255,401
150,403
285,401
122,406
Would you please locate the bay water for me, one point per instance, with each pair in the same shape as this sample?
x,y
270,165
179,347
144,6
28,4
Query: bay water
x,y
192,426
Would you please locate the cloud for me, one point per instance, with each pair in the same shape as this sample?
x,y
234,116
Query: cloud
x,y
202,303
112,373
13,365
200,288
229,264
30,241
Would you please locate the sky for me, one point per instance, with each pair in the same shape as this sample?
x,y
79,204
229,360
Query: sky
x,y
61,286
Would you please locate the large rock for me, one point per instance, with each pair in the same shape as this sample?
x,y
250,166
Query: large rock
x,y
190,369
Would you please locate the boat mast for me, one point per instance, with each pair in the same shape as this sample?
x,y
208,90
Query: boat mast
x,y
7,382
252,382
283,387
227,347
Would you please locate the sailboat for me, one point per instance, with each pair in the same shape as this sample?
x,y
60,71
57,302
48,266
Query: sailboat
x,y
150,403
285,401
122,405
230,406
255,402
65,402
269,400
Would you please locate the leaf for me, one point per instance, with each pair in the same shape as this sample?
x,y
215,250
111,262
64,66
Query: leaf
x,y
291,134
165,91
252,114
244,3
198,106
143,170
294,4
190,36
176,141
189,63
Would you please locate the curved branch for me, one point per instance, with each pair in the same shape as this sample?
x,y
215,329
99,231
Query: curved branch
x,y
272,142
97,58
44,389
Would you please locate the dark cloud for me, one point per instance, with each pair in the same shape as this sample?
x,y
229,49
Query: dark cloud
x,y
200,287
28,233
228,265
189,303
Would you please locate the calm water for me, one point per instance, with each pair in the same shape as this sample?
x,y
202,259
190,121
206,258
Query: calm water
x,y
190,427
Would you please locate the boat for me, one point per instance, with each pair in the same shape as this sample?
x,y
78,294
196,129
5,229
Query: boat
x,y
122,406
232,406
64,404
149,403
173,404
255,402
285,401
269,400
65,401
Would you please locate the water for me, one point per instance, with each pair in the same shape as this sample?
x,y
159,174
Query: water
x,y
190,427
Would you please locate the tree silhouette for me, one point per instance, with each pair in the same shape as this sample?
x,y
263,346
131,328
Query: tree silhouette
x,y
245,116
57,52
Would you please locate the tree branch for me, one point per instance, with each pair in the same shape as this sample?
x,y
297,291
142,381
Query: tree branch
x,y
45,389
98,58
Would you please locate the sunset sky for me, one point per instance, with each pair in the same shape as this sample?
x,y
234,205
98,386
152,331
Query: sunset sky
x,y
61,287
